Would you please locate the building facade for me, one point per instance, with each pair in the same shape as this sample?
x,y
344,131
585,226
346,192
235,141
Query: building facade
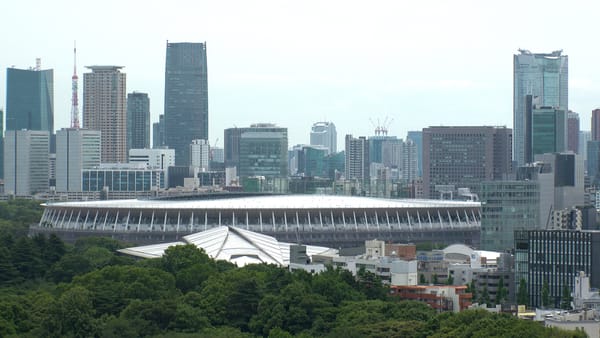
x,y
596,125
549,132
200,154
555,258
123,177
186,97
26,161
30,99
417,138
507,206
357,159
543,75
104,109
463,157
573,132
76,150
158,132
138,121
258,150
324,134
160,158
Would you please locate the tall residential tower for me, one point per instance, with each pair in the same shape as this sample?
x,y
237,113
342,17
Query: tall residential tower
x,y
324,134
104,109
186,97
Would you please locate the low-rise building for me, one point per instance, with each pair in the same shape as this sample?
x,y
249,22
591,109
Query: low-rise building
x,y
439,297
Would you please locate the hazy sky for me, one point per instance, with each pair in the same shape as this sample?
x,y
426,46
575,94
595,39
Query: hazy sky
x,y
293,63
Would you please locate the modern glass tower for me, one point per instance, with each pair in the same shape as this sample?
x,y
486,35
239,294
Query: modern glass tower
x,y
30,99
324,134
138,121
542,75
186,97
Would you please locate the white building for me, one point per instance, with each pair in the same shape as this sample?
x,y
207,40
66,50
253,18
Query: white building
x,y
392,271
324,134
218,154
157,158
199,154
26,161
76,149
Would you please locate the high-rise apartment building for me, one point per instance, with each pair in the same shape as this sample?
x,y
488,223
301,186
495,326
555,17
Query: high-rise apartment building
x,y
76,150
543,75
596,125
138,121
30,99
104,109
357,159
259,150
158,132
26,160
186,97
573,132
463,157
200,154
324,134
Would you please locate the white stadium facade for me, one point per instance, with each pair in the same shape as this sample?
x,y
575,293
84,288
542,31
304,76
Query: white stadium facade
x,y
333,221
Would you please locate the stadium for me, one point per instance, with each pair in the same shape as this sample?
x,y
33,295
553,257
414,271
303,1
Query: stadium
x,y
333,221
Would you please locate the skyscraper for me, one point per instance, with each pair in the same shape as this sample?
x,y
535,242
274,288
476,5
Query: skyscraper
x,y
357,159
463,157
104,109
548,130
138,121
573,132
76,150
30,99
542,75
596,125
417,138
158,132
186,97
26,162
324,134
200,154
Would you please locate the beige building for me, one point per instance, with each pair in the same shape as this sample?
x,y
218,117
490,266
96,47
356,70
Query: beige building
x,y
105,109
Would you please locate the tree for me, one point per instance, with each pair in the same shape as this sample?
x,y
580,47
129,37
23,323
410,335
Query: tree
x,y
545,294
450,280
485,296
434,279
502,292
27,259
566,299
473,289
422,279
523,295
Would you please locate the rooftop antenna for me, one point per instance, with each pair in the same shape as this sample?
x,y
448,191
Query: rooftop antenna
x,y
74,99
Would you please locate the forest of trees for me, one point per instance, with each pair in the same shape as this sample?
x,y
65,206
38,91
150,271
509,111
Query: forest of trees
x,y
52,289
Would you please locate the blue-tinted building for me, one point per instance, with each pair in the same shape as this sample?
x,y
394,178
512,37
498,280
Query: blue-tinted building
x,y
30,99
542,75
548,130
417,138
138,121
186,97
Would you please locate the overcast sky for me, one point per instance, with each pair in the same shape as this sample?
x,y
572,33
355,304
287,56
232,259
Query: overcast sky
x,y
293,63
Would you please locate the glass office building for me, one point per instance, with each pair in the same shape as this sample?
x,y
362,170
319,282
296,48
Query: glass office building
x,y
138,121
548,130
542,75
186,97
123,179
30,99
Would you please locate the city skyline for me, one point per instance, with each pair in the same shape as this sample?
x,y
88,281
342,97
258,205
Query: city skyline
x,y
270,67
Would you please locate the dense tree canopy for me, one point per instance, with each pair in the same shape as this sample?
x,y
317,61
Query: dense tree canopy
x,y
51,289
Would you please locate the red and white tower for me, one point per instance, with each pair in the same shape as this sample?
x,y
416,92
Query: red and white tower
x,y
74,99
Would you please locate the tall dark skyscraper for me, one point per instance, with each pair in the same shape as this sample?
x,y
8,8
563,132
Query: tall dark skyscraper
x,y
30,99
186,97
158,132
138,121
596,124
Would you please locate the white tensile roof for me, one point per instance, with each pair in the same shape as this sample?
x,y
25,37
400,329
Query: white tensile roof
x,y
235,245
271,202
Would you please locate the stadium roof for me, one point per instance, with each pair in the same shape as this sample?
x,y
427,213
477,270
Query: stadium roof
x,y
272,202
235,245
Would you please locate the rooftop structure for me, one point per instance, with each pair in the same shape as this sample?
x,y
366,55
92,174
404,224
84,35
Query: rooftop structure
x,y
336,221
235,245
